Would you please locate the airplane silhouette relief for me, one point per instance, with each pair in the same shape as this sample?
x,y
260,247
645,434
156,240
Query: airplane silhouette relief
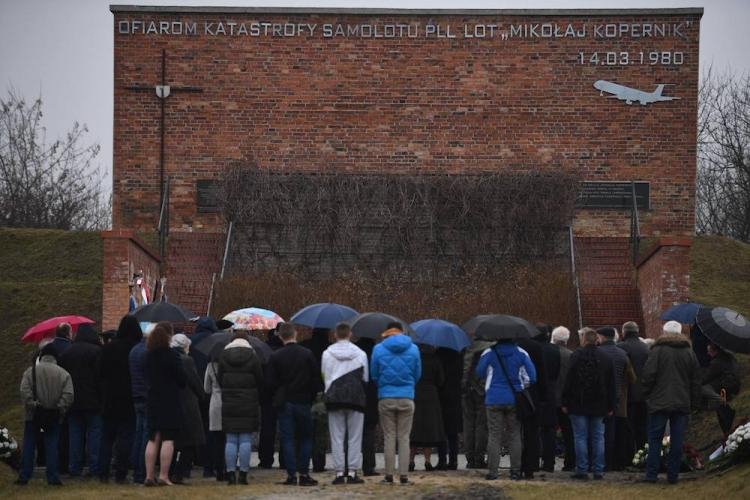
x,y
630,95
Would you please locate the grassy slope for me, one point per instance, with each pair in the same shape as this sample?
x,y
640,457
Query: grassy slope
x,y
720,275
43,273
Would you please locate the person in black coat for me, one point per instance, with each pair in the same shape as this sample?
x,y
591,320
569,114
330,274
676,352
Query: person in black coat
x,y
118,411
318,343
240,376
548,407
204,328
191,435
81,360
267,437
372,415
450,403
427,430
530,439
637,352
164,407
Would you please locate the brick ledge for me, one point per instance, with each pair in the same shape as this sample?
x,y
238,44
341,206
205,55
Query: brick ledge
x,y
130,235
663,242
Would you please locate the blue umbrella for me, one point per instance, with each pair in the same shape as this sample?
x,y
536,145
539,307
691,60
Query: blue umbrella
x,y
325,315
682,313
440,333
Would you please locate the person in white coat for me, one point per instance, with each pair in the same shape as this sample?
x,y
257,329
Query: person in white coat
x,y
211,386
345,373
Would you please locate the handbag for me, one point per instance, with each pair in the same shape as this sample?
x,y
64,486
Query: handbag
x,y
525,408
44,418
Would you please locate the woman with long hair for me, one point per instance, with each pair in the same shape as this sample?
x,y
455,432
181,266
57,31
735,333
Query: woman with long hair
x,y
166,379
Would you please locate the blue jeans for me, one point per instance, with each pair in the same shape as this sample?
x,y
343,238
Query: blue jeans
x,y
139,445
117,435
585,427
238,443
51,437
80,424
657,422
295,421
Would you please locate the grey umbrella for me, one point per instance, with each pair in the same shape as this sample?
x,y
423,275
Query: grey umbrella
x,y
499,327
372,324
726,328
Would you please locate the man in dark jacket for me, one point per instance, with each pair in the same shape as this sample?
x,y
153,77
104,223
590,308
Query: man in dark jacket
x,y
139,386
589,396
118,411
531,439
294,378
548,409
671,384
560,337
62,340
318,343
268,414
474,411
619,361
723,375
204,328
344,369
81,361
371,415
637,352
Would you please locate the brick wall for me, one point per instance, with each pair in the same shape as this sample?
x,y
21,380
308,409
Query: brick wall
x,y
663,280
460,104
124,254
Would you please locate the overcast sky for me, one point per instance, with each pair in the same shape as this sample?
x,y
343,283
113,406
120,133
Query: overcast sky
x,y
63,48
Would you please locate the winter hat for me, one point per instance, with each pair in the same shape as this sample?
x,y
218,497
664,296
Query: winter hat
x,y
672,327
180,340
606,331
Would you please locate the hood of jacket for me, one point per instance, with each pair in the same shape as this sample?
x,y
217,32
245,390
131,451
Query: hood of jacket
x,y
343,350
238,352
397,343
672,340
205,324
87,335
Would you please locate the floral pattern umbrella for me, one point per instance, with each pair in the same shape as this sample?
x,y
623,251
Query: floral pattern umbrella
x,y
253,318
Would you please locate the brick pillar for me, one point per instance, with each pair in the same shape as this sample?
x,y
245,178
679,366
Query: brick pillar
x,y
663,280
124,254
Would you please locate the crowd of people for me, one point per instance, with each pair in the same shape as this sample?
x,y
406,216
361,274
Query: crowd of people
x,y
149,402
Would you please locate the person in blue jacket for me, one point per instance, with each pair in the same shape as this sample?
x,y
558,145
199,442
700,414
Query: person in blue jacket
x,y
396,367
499,399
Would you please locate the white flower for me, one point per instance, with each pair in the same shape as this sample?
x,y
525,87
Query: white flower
x,y
635,462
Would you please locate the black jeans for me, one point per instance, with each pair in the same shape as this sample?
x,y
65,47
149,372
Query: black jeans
x,y
610,428
549,443
267,438
216,443
638,417
448,450
531,446
368,448
120,436
567,434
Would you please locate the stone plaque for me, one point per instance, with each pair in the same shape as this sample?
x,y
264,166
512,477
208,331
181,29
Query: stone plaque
x,y
207,192
613,194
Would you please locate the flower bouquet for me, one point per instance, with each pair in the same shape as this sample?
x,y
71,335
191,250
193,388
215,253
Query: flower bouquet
x,y
9,452
736,449
691,459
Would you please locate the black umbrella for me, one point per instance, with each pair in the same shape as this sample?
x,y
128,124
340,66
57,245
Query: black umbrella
x,y
162,311
726,328
499,327
372,324
213,345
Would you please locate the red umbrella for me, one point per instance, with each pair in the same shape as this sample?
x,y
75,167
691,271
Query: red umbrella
x,y
46,328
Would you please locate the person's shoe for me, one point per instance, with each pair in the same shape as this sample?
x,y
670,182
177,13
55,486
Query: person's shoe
x,y
355,479
672,480
319,469
515,476
290,481
428,467
56,482
339,480
370,473
598,477
451,466
306,480
231,478
242,477
568,468
528,475
404,480
580,476
388,479
149,483
441,465
492,476
21,482
411,466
